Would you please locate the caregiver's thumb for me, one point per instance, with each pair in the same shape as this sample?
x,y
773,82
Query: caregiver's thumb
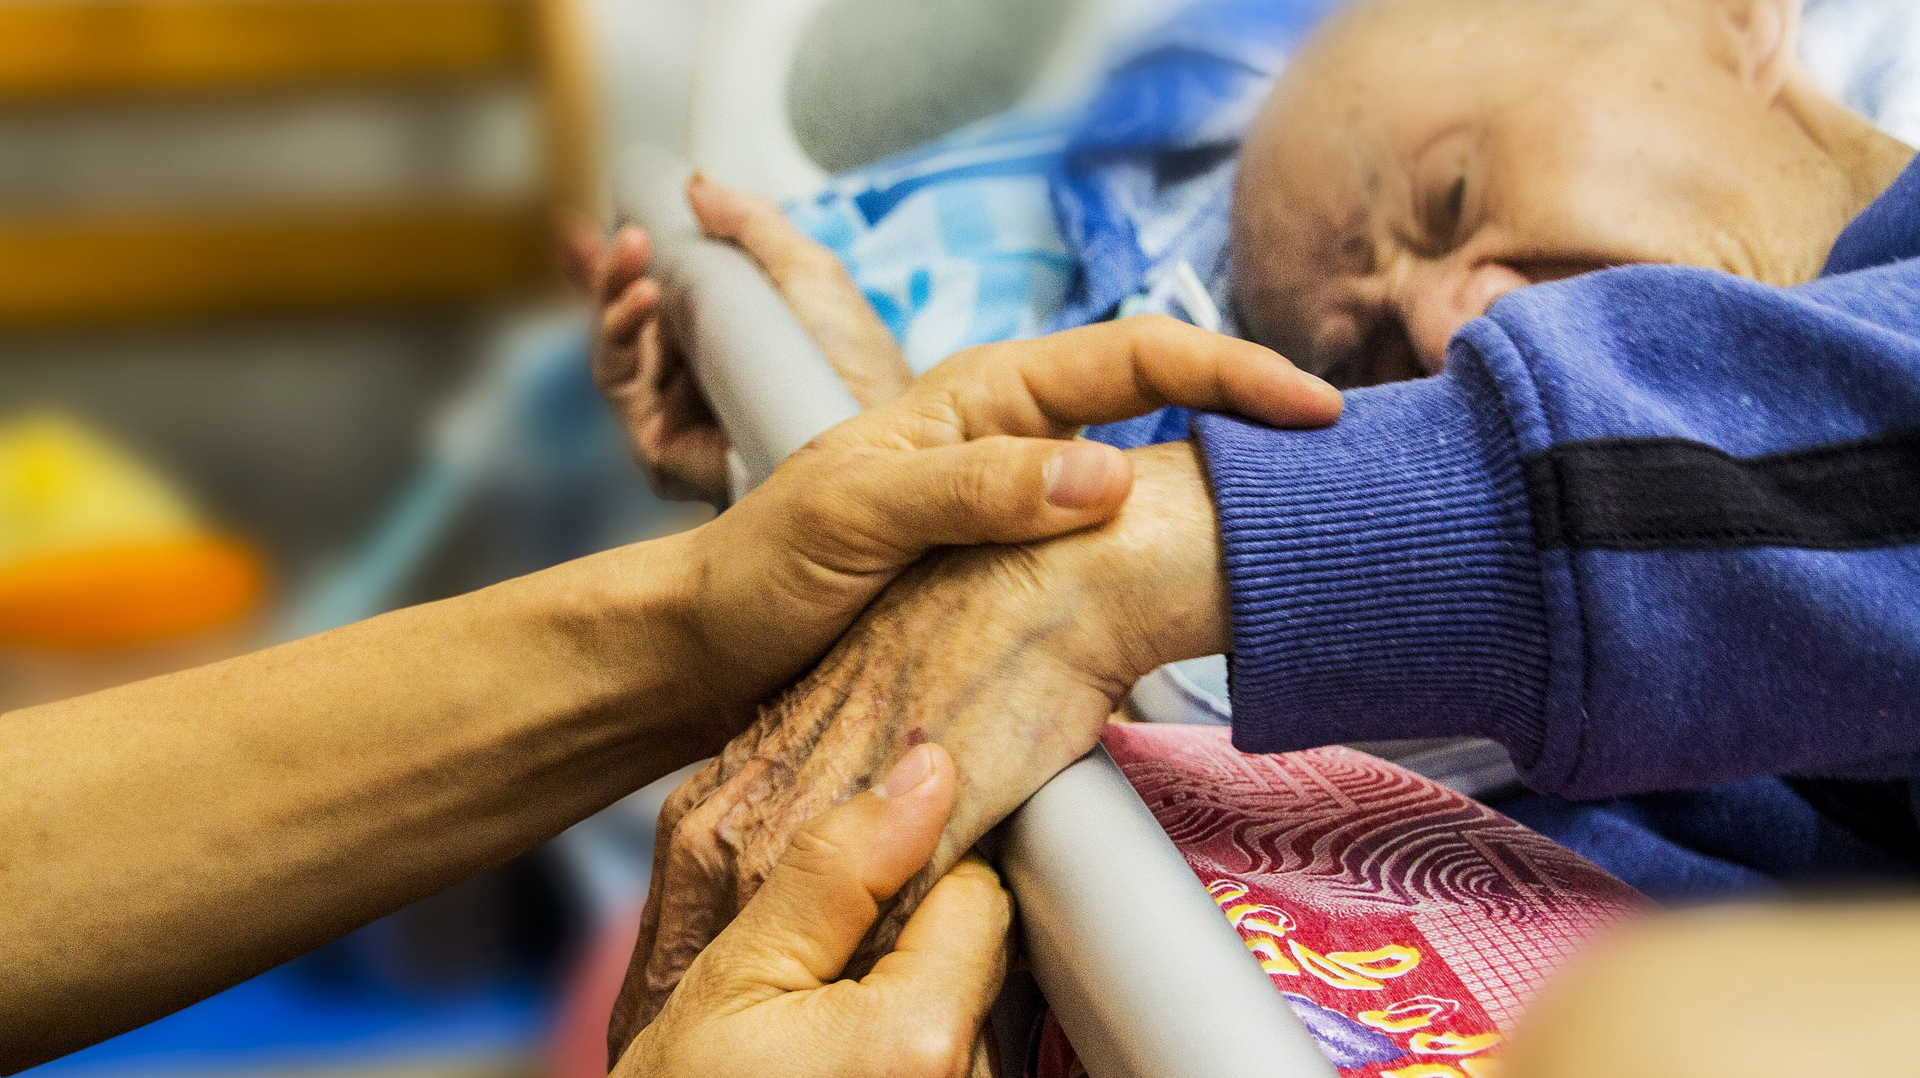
x,y
767,995
800,928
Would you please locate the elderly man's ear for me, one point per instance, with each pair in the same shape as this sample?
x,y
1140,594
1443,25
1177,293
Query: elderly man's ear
x,y
1760,39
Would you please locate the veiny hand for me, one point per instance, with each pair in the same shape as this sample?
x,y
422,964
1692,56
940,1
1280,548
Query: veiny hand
x,y
638,365
767,997
1010,656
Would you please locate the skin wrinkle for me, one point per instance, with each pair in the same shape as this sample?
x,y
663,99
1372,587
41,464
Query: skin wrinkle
x,y
811,733
881,939
786,731
686,876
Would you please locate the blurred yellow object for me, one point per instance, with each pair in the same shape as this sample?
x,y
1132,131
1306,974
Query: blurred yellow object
x,y
98,551
63,487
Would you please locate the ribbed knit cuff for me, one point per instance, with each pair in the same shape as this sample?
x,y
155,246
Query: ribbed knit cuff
x,y
1383,574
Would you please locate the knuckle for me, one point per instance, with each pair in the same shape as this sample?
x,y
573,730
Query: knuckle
x,y
978,488
998,479
812,853
681,800
1000,908
697,838
935,416
988,893
706,815
937,1049
981,895
1157,331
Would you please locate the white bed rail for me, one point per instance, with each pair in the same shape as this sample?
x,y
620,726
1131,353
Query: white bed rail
x,y
1143,973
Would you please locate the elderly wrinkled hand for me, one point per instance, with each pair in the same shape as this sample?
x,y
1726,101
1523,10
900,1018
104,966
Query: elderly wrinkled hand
x,y
768,997
637,361
1010,656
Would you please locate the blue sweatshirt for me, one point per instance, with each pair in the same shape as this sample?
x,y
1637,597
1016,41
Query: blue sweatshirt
x,y
1655,528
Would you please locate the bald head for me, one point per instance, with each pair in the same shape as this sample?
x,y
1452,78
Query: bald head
x,y
1421,158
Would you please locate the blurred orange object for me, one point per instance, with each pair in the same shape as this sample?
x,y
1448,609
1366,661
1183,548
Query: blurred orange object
x,y
99,550
131,594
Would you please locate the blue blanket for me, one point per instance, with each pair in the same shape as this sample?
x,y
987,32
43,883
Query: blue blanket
x,y
953,244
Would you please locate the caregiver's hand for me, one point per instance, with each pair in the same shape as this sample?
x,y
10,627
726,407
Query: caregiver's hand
x,y
1011,656
637,362
767,997
976,451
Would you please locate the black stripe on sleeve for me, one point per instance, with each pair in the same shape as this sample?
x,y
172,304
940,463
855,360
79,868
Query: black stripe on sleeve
x,y
1675,494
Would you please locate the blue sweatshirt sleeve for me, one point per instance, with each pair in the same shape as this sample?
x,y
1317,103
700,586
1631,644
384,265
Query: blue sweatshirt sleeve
x,y
1654,528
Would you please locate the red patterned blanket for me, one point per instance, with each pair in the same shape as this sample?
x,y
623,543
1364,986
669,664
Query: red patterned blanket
x,y
1407,925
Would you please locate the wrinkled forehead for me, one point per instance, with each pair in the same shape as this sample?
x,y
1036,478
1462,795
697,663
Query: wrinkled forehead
x,y
1380,68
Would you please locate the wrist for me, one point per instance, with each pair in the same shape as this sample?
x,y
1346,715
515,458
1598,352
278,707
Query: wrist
x,y
622,626
1166,593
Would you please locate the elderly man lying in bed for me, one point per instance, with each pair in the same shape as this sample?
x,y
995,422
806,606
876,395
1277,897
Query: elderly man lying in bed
x,y
1649,519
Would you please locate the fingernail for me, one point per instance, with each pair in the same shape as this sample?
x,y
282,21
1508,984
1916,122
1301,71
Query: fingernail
x,y
708,199
1315,380
909,774
1077,477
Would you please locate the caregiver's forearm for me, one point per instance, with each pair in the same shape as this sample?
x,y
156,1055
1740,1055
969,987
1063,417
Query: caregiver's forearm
x,y
195,829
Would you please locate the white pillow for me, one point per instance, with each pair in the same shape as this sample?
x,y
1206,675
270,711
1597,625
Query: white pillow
x,y
1867,54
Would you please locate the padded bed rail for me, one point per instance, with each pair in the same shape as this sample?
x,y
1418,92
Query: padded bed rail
x,y
1143,973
